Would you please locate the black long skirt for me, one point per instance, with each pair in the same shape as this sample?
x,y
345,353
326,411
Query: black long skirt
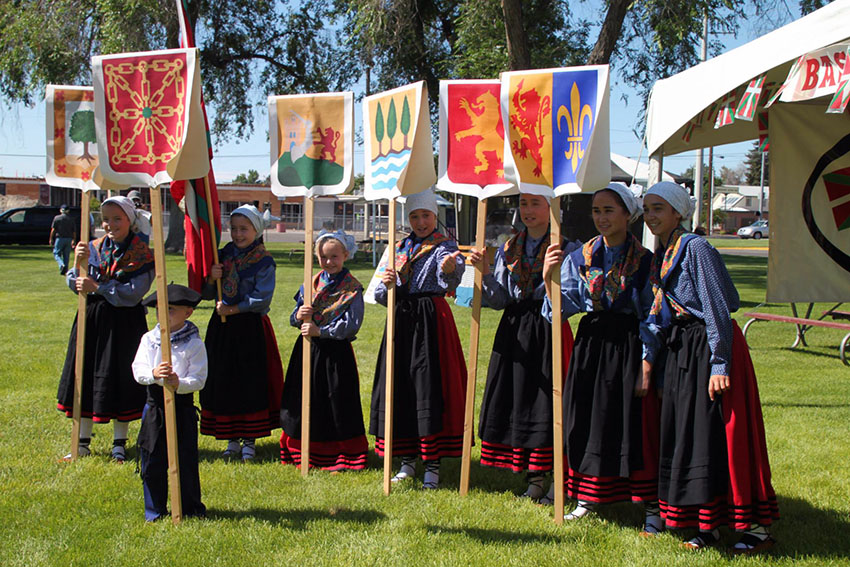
x,y
109,389
610,436
516,413
430,382
337,435
242,395
714,466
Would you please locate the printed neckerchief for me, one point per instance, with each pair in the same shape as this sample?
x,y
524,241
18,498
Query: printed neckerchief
x,y
665,307
123,261
619,277
184,335
520,267
333,295
237,264
409,251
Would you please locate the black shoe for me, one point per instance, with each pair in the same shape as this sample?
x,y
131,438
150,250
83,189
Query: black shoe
x,y
63,270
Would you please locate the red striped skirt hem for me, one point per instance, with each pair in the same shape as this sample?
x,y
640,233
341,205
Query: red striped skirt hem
x,y
430,448
610,489
347,455
718,512
131,415
249,426
516,459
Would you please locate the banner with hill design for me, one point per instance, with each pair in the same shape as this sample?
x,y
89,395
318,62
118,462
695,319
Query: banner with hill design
x,y
809,258
148,118
312,143
397,140
556,136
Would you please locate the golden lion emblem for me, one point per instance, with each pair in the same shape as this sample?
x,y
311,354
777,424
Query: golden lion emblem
x,y
485,116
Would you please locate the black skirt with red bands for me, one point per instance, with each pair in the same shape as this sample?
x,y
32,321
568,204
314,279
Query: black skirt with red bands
x,y
337,436
516,413
430,382
610,436
109,389
714,467
241,398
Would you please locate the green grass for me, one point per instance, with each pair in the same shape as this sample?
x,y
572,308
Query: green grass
x,y
739,243
90,512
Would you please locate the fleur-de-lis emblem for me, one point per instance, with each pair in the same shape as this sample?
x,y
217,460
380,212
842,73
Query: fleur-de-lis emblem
x,y
575,126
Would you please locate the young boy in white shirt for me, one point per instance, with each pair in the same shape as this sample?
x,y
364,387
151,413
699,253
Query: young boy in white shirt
x,y
186,374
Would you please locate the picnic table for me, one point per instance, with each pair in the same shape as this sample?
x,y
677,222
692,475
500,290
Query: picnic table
x,y
804,324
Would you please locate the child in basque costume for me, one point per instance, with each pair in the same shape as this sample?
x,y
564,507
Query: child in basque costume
x,y
610,423
713,466
337,436
185,374
241,400
516,413
119,271
430,373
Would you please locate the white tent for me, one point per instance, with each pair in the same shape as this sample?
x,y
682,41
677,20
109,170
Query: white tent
x,y
809,150
625,167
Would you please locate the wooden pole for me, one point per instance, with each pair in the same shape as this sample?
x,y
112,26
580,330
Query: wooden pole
x,y
82,270
390,357
213,239
557,369
165,336
472,366
307,343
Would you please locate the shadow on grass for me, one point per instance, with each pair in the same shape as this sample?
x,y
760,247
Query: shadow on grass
x,y
498,536
809,531
300,518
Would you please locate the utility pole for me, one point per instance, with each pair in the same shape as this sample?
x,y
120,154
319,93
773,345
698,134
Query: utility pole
x,y
698,174
761,192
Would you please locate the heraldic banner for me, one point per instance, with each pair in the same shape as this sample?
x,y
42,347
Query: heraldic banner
x,y
809,205
312,143
397,133
556,135
71,143
472,139
150,128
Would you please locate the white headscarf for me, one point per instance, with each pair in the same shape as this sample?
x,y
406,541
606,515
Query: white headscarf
x,y
258,220
138,223
627,194
346,240
426,199
676,195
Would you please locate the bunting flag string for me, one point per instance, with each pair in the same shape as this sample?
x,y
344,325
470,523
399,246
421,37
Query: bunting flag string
x,y
749,102
839,101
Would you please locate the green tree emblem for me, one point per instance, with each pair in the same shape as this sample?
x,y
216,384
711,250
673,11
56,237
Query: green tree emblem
x,y
392,123
379,128
82,131
405,121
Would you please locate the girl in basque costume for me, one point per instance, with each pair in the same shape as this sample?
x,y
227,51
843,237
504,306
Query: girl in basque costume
x,y
241,400
119,271
610,423
516,413
430,373
337,436
713,467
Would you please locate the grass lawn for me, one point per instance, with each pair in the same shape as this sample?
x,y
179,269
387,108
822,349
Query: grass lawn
x,y
91,513
721,243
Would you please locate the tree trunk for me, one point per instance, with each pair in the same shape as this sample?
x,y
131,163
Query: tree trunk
x,y
609,34
518,54
176,234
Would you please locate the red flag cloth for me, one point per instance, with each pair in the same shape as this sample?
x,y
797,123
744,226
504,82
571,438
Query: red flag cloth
x,y
201,240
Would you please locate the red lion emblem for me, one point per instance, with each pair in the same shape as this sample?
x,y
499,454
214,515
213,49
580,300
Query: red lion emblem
x,y
328,141
530,110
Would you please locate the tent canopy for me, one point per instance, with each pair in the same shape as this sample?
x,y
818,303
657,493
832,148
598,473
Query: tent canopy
x,y
678,99
623,167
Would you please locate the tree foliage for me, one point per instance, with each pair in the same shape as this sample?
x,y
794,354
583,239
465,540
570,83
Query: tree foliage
x,y
252,178
752,165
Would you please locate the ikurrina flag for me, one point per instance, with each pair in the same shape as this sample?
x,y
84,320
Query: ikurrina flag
x,y
746,109
312,143
556,136
472,139
71,142
397,133
839,101
809,257
200,238
150,128
815,74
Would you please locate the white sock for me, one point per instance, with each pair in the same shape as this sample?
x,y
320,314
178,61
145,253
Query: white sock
x,y
432,474
120,429
86,426
535,486
407,470
248,449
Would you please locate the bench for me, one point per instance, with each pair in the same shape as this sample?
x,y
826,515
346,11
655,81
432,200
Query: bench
x,y
804,324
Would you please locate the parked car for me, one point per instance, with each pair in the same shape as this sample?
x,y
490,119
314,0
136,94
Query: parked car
x,y
756,230
31,225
